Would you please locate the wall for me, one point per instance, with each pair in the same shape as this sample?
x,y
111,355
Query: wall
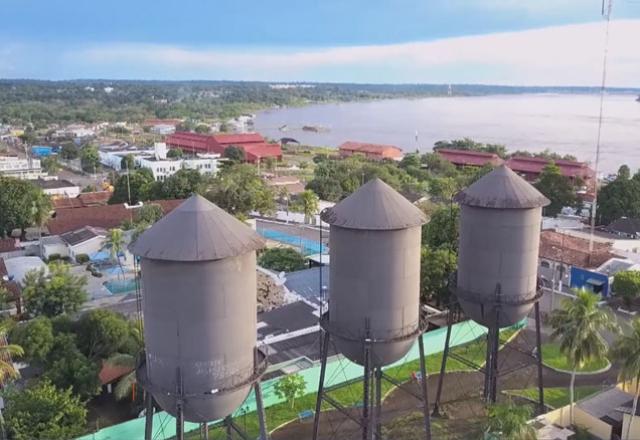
x,y
579,279
55,248
87,247
597,427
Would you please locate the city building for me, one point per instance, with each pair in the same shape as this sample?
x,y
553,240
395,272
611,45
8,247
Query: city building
x,y
255,147
11,166
469,158
58,187
157,161
105,217
370,151
95,198
531,167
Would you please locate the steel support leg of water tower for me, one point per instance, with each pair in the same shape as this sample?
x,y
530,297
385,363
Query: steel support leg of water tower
x,y
179,406
378,404
443,366
148,421
425,395
494,367
260,411
204,430
227,424
366,400
487,367
323,369
541,408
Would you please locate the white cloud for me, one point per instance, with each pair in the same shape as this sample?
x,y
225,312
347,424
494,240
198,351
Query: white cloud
x,y
561,55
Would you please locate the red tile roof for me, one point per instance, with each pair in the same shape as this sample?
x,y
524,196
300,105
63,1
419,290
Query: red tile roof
x,y
469,157
107,216
535,165
8,244
574,251
193,142
374,149
255,152
232,139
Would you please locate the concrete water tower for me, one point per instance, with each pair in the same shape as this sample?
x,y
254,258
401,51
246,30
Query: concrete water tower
x,y
198,267
374,296
496,285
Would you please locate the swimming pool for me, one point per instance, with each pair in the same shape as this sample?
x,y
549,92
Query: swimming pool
x,y
117,287
306,246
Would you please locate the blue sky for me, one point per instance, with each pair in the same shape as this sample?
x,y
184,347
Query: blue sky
x,y
479,41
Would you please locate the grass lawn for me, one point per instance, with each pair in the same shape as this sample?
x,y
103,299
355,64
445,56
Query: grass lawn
x,y
552,357
281,413
556,397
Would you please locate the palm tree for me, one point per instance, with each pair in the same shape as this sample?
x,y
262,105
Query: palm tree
x,y
578,326
115,241
40,212
509,421
127,383
7,353
626,351
307,203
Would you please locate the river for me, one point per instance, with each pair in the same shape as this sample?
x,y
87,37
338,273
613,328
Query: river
x,y
564,123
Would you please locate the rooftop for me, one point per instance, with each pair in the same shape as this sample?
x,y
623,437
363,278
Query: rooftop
x,y
54,183
604,405
106,217
568,168
81,235
8,244
469,157
625,225
574,251
82,200
18,267
366,147
306,283
502,189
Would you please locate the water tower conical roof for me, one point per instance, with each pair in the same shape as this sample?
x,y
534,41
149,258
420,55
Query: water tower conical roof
x,y
197,230
502,189
374,206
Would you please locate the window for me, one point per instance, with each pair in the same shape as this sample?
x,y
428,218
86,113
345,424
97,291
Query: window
x,y
545,264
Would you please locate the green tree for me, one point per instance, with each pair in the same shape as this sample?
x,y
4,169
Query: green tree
x,y
90,158
578,326
69,151
624,173
202,128
50,164
439,165
470,144
557,188
127,162
508,421
182,185
8,352
89,188
625,352
223,128
627,284
43,412
240,190
139,183
102,333
35,337
436,265
17,199
126,384
234,154
175,153
55,293
67,367
443,228
620,198
115,242
282,259
306,203
149,213
290,388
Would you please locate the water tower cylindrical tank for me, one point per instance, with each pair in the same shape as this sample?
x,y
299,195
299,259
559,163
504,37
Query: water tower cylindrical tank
x,y
375,273
500,222
198,268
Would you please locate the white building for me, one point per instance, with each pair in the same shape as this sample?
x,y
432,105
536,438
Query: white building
x,y
87,241
11,166
160,165
163,129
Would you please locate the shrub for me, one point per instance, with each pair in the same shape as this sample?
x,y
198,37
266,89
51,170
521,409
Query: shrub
x,y
54,257
82,258
282,259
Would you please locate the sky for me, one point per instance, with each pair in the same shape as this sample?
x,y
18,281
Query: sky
x,y
514,42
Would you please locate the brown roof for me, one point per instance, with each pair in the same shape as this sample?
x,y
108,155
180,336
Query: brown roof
x,y
574,251
374,206
365,147
8,244
469,157
110,373
107,216
82,200
197,230
502,189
